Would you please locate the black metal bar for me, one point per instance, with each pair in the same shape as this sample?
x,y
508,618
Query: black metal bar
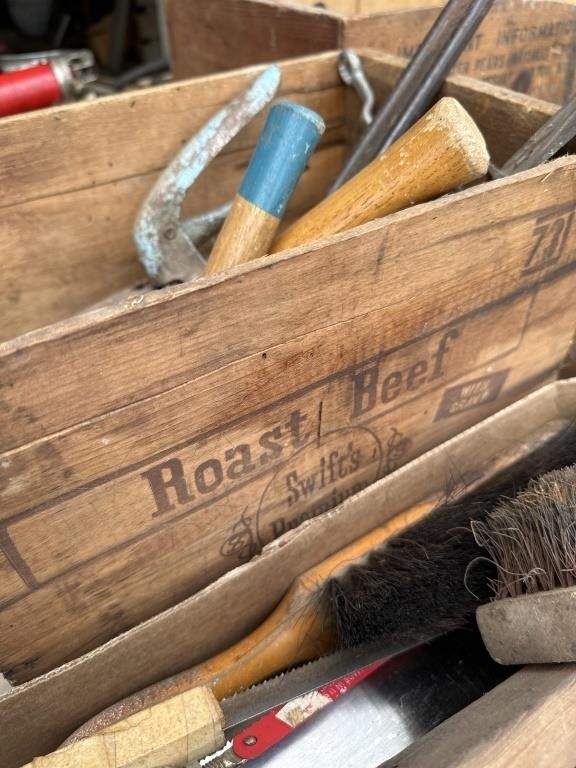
x,y
419,83
545,143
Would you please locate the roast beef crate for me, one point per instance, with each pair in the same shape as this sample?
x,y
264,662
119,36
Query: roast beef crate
x,y
37,716
526,45
150,446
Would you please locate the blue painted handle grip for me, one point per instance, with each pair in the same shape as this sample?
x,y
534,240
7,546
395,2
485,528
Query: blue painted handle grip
x,y
289,137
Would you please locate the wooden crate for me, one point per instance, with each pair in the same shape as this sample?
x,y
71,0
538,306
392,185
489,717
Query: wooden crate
x,y
149,447
525,45
37,716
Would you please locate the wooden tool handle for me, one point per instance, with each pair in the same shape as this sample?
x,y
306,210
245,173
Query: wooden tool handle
x,y
289,137
183,728
295,632
443,150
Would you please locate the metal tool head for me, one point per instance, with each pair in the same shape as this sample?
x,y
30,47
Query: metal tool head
x,y
166,245
352,73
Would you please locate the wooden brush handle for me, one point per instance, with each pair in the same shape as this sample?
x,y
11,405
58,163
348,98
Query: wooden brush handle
x,y
289,137
181,729
443,150
295,631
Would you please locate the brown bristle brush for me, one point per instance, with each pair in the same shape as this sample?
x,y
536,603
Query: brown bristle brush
x,y
531,541
401,585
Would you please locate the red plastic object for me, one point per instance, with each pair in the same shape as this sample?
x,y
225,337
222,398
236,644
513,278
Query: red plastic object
x,y
276,724
28,89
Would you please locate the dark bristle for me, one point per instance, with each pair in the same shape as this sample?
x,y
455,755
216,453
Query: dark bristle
x,y
532,538
400,592
432,577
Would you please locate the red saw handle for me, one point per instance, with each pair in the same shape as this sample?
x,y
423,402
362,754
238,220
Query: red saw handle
x,y
279,722
27,89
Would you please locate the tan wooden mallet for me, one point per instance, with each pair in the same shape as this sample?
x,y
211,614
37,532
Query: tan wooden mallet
x,y
443,150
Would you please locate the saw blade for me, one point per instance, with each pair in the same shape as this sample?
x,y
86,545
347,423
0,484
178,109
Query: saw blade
x,y
249,704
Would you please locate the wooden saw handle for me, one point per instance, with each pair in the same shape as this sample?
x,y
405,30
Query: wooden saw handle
x,y
443,150
174,732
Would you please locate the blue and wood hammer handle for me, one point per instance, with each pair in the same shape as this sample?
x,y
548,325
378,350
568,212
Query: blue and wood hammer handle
x,y
289,137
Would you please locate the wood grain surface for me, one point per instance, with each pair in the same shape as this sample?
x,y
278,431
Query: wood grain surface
x,y
526,45
80,192
148,448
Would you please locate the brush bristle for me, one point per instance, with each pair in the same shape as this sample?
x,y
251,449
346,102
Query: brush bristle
x,y
431,578
412,588
532,538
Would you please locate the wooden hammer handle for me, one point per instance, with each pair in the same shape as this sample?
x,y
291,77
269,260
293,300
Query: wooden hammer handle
x,y
443,150
289,137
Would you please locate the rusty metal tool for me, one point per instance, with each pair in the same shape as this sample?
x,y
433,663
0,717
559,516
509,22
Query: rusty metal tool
x,y
352,73
542,145
167,246
419,83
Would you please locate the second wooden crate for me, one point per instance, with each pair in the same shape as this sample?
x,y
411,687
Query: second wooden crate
x,y
525,45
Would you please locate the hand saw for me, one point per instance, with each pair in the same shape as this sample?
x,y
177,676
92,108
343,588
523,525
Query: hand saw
x,y
384,711
194,724
260,717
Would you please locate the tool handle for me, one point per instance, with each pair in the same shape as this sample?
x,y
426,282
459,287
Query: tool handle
x,y
183,728
294,633
419,82
26,89
443,150
289,137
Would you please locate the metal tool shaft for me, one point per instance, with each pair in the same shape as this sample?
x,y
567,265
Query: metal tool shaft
x,y
542,145
419,83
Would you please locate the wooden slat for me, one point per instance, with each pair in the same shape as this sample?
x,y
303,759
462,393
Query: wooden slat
x,y
97,142
385,6
340,6
83,251
44,414
82,210
526,46
525,722
213,35
181,484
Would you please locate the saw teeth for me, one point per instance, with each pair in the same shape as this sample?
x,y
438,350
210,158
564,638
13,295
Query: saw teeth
x,y
269,680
